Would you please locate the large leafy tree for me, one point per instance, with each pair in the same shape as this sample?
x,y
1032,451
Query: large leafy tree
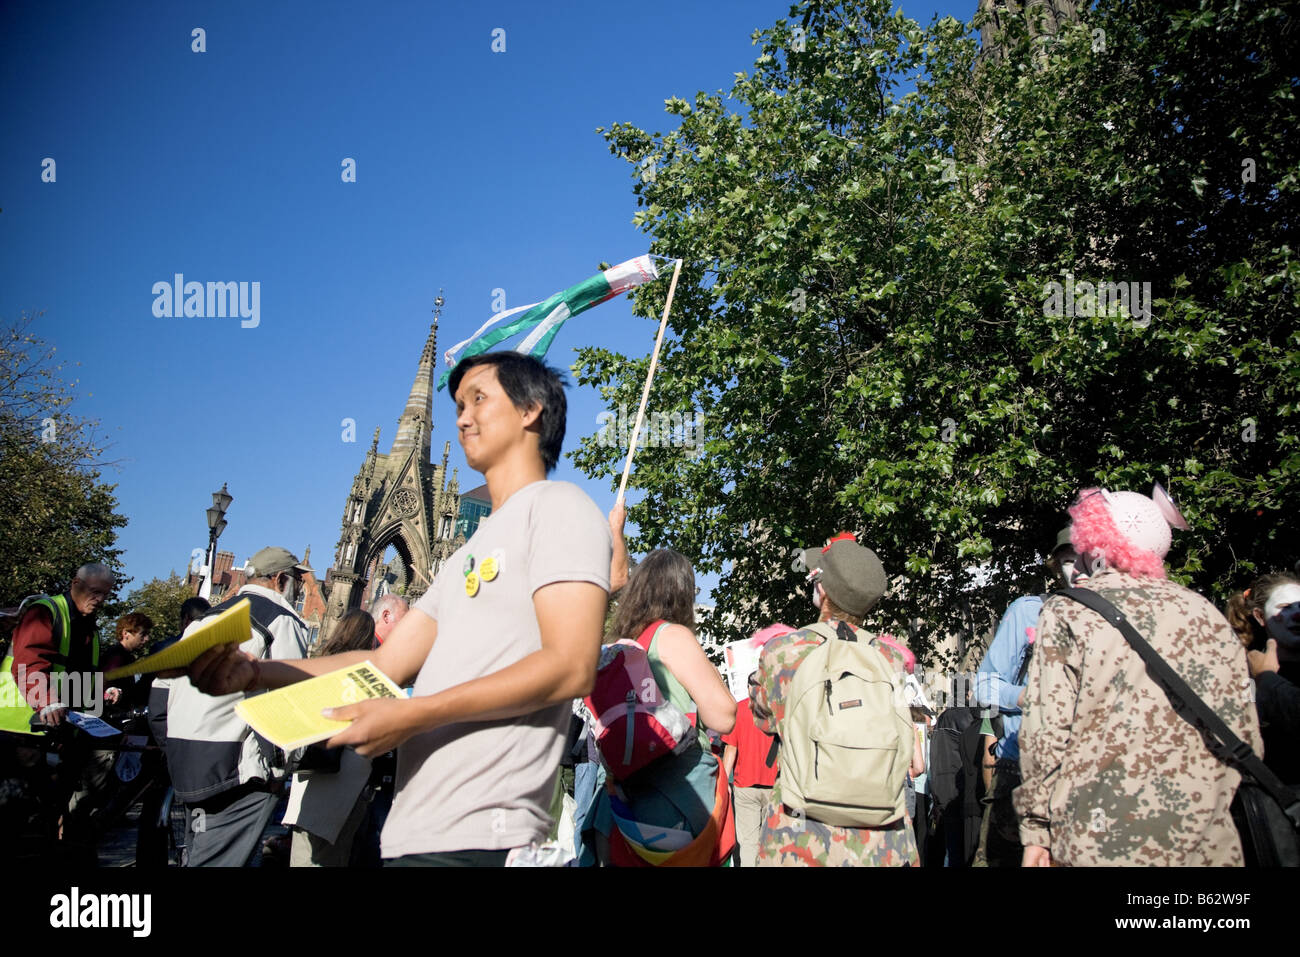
x,y
870,228
55,513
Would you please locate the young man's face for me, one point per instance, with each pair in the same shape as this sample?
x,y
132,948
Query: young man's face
x,y
487,421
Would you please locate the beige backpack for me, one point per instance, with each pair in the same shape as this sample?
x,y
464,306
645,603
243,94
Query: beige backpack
x,y
845,748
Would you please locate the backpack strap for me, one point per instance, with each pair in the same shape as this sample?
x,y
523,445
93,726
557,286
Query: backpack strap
x,y
1183,699
648,636
772,751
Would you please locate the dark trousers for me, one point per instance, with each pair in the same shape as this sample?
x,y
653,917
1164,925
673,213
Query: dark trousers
x,y
1000,830
152,834
451,859
227,831
85,786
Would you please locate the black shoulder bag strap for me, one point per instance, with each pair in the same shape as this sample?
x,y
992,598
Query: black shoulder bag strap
x,y
1024,665
1182,697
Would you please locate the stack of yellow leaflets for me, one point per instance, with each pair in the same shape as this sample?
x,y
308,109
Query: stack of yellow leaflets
x,y
232,627
290,717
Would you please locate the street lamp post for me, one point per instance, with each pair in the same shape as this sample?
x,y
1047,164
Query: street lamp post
x,y
216,525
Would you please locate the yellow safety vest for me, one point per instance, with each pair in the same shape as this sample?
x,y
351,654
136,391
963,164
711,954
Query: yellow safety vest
x,y
15,713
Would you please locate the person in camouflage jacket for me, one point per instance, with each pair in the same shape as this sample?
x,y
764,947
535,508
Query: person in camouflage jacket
x,y
794,840
848,581
1112,775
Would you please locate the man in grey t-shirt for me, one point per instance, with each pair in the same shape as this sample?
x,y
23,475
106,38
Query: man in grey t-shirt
x,y
508,634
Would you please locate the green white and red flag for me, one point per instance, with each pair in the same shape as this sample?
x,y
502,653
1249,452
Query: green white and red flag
x,y
544,319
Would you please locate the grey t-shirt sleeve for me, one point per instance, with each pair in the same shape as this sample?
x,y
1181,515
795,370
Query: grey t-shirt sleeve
x,y
569,539
428,602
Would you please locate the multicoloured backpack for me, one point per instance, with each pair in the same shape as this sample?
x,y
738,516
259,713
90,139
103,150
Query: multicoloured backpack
x,y
635,723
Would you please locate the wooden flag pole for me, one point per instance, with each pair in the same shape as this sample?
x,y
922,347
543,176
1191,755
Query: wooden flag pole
x,y
645,393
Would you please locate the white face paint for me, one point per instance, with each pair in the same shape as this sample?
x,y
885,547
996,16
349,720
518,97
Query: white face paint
x,y
1073,573
1282,616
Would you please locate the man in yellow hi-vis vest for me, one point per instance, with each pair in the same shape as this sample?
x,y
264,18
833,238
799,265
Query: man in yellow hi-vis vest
x,y
54,667
56,637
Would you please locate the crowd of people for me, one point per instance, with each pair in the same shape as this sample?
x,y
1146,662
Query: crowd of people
x,y
1075,747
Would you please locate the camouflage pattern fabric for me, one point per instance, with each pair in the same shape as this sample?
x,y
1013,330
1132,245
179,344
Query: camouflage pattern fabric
x,y
787,840
1111,773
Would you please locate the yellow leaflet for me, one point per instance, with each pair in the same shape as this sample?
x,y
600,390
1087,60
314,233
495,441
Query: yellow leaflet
x,y
291,718
232,627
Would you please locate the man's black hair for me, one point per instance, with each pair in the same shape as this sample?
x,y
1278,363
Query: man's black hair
x,y
526,380
192,608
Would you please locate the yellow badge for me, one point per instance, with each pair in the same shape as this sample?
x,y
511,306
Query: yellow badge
x,y
488,570
471,584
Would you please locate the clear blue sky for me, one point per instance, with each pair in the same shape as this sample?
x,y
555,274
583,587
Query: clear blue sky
x,y
475,171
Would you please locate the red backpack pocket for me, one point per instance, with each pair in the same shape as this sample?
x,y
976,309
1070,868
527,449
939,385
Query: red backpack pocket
x,y
635,723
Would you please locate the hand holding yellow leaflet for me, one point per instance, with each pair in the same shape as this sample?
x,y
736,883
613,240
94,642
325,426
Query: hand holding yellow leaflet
x,y
233,626
290,717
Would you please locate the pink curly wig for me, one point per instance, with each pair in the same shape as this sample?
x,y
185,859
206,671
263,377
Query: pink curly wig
x,y
1093,530
909,659
764,635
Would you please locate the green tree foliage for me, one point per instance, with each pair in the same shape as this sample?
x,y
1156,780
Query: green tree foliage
x,y
870,223
55,513
161,600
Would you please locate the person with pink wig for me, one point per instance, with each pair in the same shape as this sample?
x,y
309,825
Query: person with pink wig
x,y
1112,774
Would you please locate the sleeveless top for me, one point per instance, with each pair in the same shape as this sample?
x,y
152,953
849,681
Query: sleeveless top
x,y
672,688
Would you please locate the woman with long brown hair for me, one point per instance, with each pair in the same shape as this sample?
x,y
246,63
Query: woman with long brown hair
x,y
678,792
354,632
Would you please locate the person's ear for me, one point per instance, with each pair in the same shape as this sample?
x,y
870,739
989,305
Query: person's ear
x,y
1258,616
530,415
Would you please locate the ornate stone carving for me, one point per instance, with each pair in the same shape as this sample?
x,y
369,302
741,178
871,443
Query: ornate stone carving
x,y
406,502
